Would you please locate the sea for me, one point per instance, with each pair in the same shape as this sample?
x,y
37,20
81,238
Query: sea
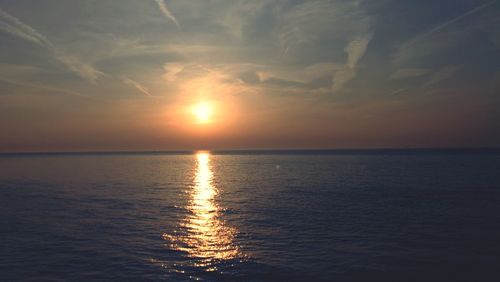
x,y
297,215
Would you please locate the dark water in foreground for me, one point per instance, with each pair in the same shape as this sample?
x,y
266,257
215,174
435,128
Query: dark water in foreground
x,y
306,216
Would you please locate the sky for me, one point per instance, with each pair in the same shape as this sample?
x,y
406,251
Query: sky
x,y
102,75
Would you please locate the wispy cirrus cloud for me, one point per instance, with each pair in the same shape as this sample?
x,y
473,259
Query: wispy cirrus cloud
x,y
418,45
15,27
445,24
321,26
44,87
299,75
355,51
141,88
442,74
84,70
409,72
398,91
166,12
21,75
172,70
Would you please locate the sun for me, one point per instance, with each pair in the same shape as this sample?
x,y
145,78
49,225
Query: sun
x,y
203,112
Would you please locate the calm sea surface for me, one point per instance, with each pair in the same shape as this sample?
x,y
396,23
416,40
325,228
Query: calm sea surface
x,y
251,216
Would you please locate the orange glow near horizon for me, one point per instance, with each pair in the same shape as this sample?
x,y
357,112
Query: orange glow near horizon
x,y
199,116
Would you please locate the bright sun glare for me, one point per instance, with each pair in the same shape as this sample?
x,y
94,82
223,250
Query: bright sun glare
x,y
203,112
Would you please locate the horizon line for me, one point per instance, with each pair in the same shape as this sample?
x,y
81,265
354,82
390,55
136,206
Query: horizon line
x,y
256,150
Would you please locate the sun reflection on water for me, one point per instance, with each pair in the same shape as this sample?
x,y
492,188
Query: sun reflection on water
x,y
202,234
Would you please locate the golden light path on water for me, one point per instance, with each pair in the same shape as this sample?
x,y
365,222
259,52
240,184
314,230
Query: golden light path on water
x,y
204,235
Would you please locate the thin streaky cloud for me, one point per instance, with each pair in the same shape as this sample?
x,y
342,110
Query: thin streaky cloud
x,y
141,88
447,23
82,69
14,26
44,87
166,12
442,74
398,91
409,73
